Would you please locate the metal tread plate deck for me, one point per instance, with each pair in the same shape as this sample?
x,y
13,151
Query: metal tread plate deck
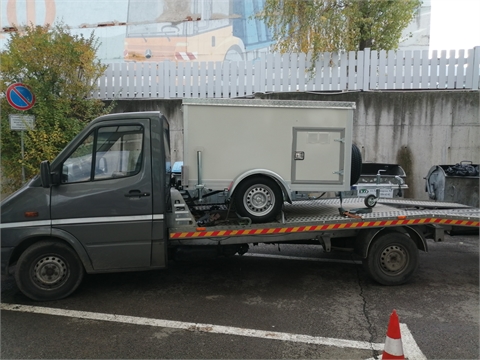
x,y
323,215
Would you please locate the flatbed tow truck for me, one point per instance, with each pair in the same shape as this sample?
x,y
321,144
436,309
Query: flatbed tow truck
x,y
107,204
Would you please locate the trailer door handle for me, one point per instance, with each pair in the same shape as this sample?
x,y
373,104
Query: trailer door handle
x,y
136,193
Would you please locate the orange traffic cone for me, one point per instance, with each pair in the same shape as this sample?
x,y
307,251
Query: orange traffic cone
x,y
393,342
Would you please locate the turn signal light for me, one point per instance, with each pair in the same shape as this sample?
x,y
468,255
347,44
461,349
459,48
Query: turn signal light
x,y
31,214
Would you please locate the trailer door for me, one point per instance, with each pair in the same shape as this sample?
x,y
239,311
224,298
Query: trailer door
x,y
104,199
318,155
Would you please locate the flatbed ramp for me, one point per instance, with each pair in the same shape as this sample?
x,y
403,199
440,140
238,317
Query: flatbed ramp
x,y
304,219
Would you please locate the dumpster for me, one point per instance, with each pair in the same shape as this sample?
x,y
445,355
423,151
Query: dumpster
x,y
454,183
389,179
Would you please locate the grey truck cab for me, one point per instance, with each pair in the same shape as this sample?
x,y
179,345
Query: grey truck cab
x,y
99,206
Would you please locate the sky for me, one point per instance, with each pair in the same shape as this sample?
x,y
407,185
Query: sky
x,y
454,24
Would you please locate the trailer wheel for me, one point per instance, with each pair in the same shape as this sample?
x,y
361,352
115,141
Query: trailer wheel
x,y
258,198
370,201
392,258
48,270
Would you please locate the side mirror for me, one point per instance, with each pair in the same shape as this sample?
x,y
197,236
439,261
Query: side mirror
x,y
45,174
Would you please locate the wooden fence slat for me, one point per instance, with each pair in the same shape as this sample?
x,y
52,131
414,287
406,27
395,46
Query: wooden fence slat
x,y
188,80
277,78
293,72
476,68
416,70
374,70
460,75
399,70
241,78
382,68
302,73
202,80
425,70
442,70
217,83
434,70
108,82
249,78
451,70
335,72
195,69
469,69
363,70
227,68
352,70
318,77
269,73
391,57
210,79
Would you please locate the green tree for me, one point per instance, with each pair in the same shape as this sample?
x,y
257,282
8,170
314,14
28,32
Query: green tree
x,y
316,26
62,71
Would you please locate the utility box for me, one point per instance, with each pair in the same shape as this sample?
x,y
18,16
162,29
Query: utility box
x,y
454,183
304,145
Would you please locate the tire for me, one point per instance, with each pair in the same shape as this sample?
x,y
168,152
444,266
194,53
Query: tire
x,y
392,258
48,270
258,198
356,169
370,201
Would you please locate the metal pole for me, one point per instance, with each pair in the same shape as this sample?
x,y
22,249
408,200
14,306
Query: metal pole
x,y
23,158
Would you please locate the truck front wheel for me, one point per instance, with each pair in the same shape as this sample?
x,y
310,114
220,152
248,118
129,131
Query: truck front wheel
x,y
258,198
48,270
392,258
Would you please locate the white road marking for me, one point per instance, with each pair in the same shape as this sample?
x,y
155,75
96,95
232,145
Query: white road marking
x,y
410,347
208,328
303,258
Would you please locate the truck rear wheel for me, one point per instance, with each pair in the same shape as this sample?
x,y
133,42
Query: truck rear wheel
x,y
258,198
392,258
48,270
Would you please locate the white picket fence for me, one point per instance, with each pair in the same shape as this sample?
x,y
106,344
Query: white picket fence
x,y
362,70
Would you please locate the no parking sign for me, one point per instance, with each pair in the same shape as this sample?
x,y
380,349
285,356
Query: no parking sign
x,y
20,97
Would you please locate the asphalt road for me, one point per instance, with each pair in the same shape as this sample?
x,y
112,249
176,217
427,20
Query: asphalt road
x,y
297,290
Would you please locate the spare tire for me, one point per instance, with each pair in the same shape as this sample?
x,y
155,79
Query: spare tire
x,y
356,169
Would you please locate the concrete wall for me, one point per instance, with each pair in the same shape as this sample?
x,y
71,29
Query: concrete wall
x,y
415,129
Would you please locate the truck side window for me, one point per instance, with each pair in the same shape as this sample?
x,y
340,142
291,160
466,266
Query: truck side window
x,y
116,151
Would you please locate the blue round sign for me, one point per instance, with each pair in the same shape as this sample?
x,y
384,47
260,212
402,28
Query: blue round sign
x,y
20,97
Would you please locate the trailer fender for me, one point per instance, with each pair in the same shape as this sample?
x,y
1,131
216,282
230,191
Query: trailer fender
x,y
283,185
365,238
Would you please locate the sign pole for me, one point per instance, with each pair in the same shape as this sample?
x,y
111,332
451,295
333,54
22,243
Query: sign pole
x,y
21,97
23,157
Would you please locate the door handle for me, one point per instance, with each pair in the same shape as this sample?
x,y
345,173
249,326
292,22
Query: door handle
x,y
137,193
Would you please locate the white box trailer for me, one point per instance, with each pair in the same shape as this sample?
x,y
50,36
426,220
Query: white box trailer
x,y
261,152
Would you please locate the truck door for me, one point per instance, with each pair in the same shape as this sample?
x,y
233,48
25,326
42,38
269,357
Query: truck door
x,y
105,196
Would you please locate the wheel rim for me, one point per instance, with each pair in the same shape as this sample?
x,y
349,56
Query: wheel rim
x,y
394,260
50,272
371,201
259,200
